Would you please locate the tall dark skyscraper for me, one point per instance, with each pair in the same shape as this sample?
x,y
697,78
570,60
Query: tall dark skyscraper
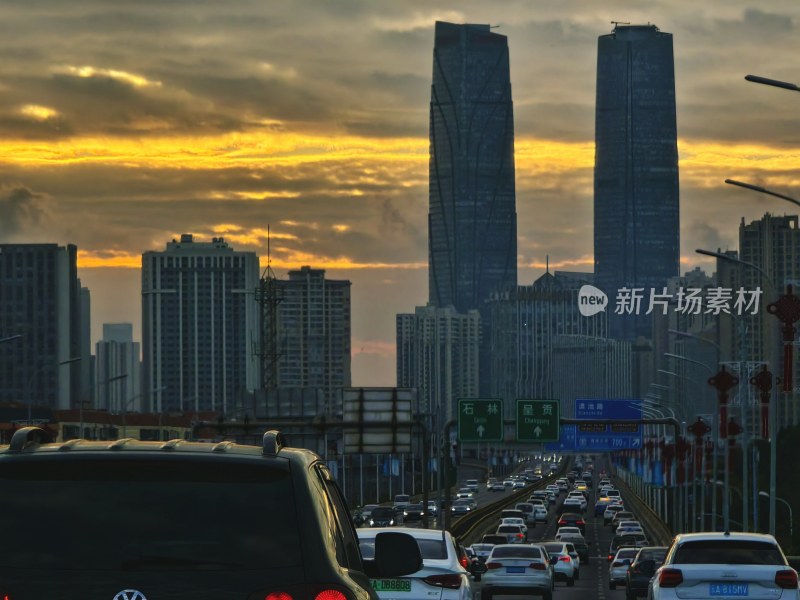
x,y
472,221
636,219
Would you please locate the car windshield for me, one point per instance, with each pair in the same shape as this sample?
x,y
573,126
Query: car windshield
x,y
402,498
728,552
554,548
382,512
87,500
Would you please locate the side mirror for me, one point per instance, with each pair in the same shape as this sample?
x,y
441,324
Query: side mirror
x,y
396,554
647,567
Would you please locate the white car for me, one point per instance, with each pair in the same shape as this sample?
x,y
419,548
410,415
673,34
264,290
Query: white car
x,y
574,505
518,484
527,509
618,567
563,564
567,531
432,508
539,513
442,575
482,551
750,565
464,493
573,552
472,485
611,510
514,568
513,533
515,521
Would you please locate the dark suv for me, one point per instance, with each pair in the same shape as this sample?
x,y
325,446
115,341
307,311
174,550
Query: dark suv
x,y
180,520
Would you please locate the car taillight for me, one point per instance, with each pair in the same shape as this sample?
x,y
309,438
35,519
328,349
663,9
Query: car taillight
x,y
579,523
562,522
786,579
451,582
670,578
610,557
564,559
278,596
537,566
330,595
520,536
493,565
464,562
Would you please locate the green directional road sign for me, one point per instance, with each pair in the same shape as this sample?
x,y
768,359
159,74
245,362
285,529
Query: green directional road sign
x,y
538,420
480,420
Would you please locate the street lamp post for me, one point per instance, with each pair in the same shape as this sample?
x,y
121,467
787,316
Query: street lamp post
x,y
127,402
11,338
773,443
106,382
36,372
789,506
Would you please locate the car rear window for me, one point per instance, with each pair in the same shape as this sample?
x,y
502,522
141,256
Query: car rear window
x,y
508,529
430,549
494,539
516,552
135,514
728,552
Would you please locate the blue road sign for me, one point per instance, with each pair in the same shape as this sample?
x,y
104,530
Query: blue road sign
x,y
566,440
595,436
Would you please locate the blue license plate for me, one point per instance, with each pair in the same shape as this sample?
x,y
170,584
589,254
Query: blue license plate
x,y
728,589
515,569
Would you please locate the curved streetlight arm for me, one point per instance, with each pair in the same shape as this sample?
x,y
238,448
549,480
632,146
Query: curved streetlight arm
x,y
773,82
692,336
758,188
691,360
40,369
11,338
764,494
722,256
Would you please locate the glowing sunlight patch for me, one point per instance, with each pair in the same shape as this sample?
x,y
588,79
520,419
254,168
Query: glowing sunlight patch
x,y
88,71
38,112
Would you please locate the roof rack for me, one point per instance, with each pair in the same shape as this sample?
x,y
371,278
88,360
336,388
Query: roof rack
x,y
273,442
26,436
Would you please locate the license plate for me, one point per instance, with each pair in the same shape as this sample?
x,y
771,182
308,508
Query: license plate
x,y
391,585
515,569
728,589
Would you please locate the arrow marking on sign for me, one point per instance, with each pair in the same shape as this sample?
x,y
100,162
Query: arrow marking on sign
x,y
538,431
480,430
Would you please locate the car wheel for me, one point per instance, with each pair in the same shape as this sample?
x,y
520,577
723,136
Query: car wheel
x,y
570,582
612,585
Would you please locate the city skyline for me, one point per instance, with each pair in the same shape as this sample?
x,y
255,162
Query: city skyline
x,y
133,125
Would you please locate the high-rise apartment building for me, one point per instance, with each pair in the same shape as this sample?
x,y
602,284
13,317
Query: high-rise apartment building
x,y
41,301
118,375
313,330
527,321
636,212
199,326
472,222
437,353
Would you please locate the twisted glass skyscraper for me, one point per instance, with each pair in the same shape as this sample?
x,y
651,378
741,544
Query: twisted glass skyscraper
x,y
472,222
636,219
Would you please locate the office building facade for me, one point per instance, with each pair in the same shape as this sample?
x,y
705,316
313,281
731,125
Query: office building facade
x,y
472,222
118,373
313,330
527,321
636,199
41,301
199,326
437,353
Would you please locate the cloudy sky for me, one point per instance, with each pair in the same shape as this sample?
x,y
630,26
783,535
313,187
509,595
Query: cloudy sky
x,y
125,124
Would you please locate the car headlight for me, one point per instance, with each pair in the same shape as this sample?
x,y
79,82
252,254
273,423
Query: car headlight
x,y
391,522
371,523
405,514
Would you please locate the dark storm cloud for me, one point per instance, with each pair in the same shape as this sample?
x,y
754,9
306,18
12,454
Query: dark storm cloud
x,y
22,211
